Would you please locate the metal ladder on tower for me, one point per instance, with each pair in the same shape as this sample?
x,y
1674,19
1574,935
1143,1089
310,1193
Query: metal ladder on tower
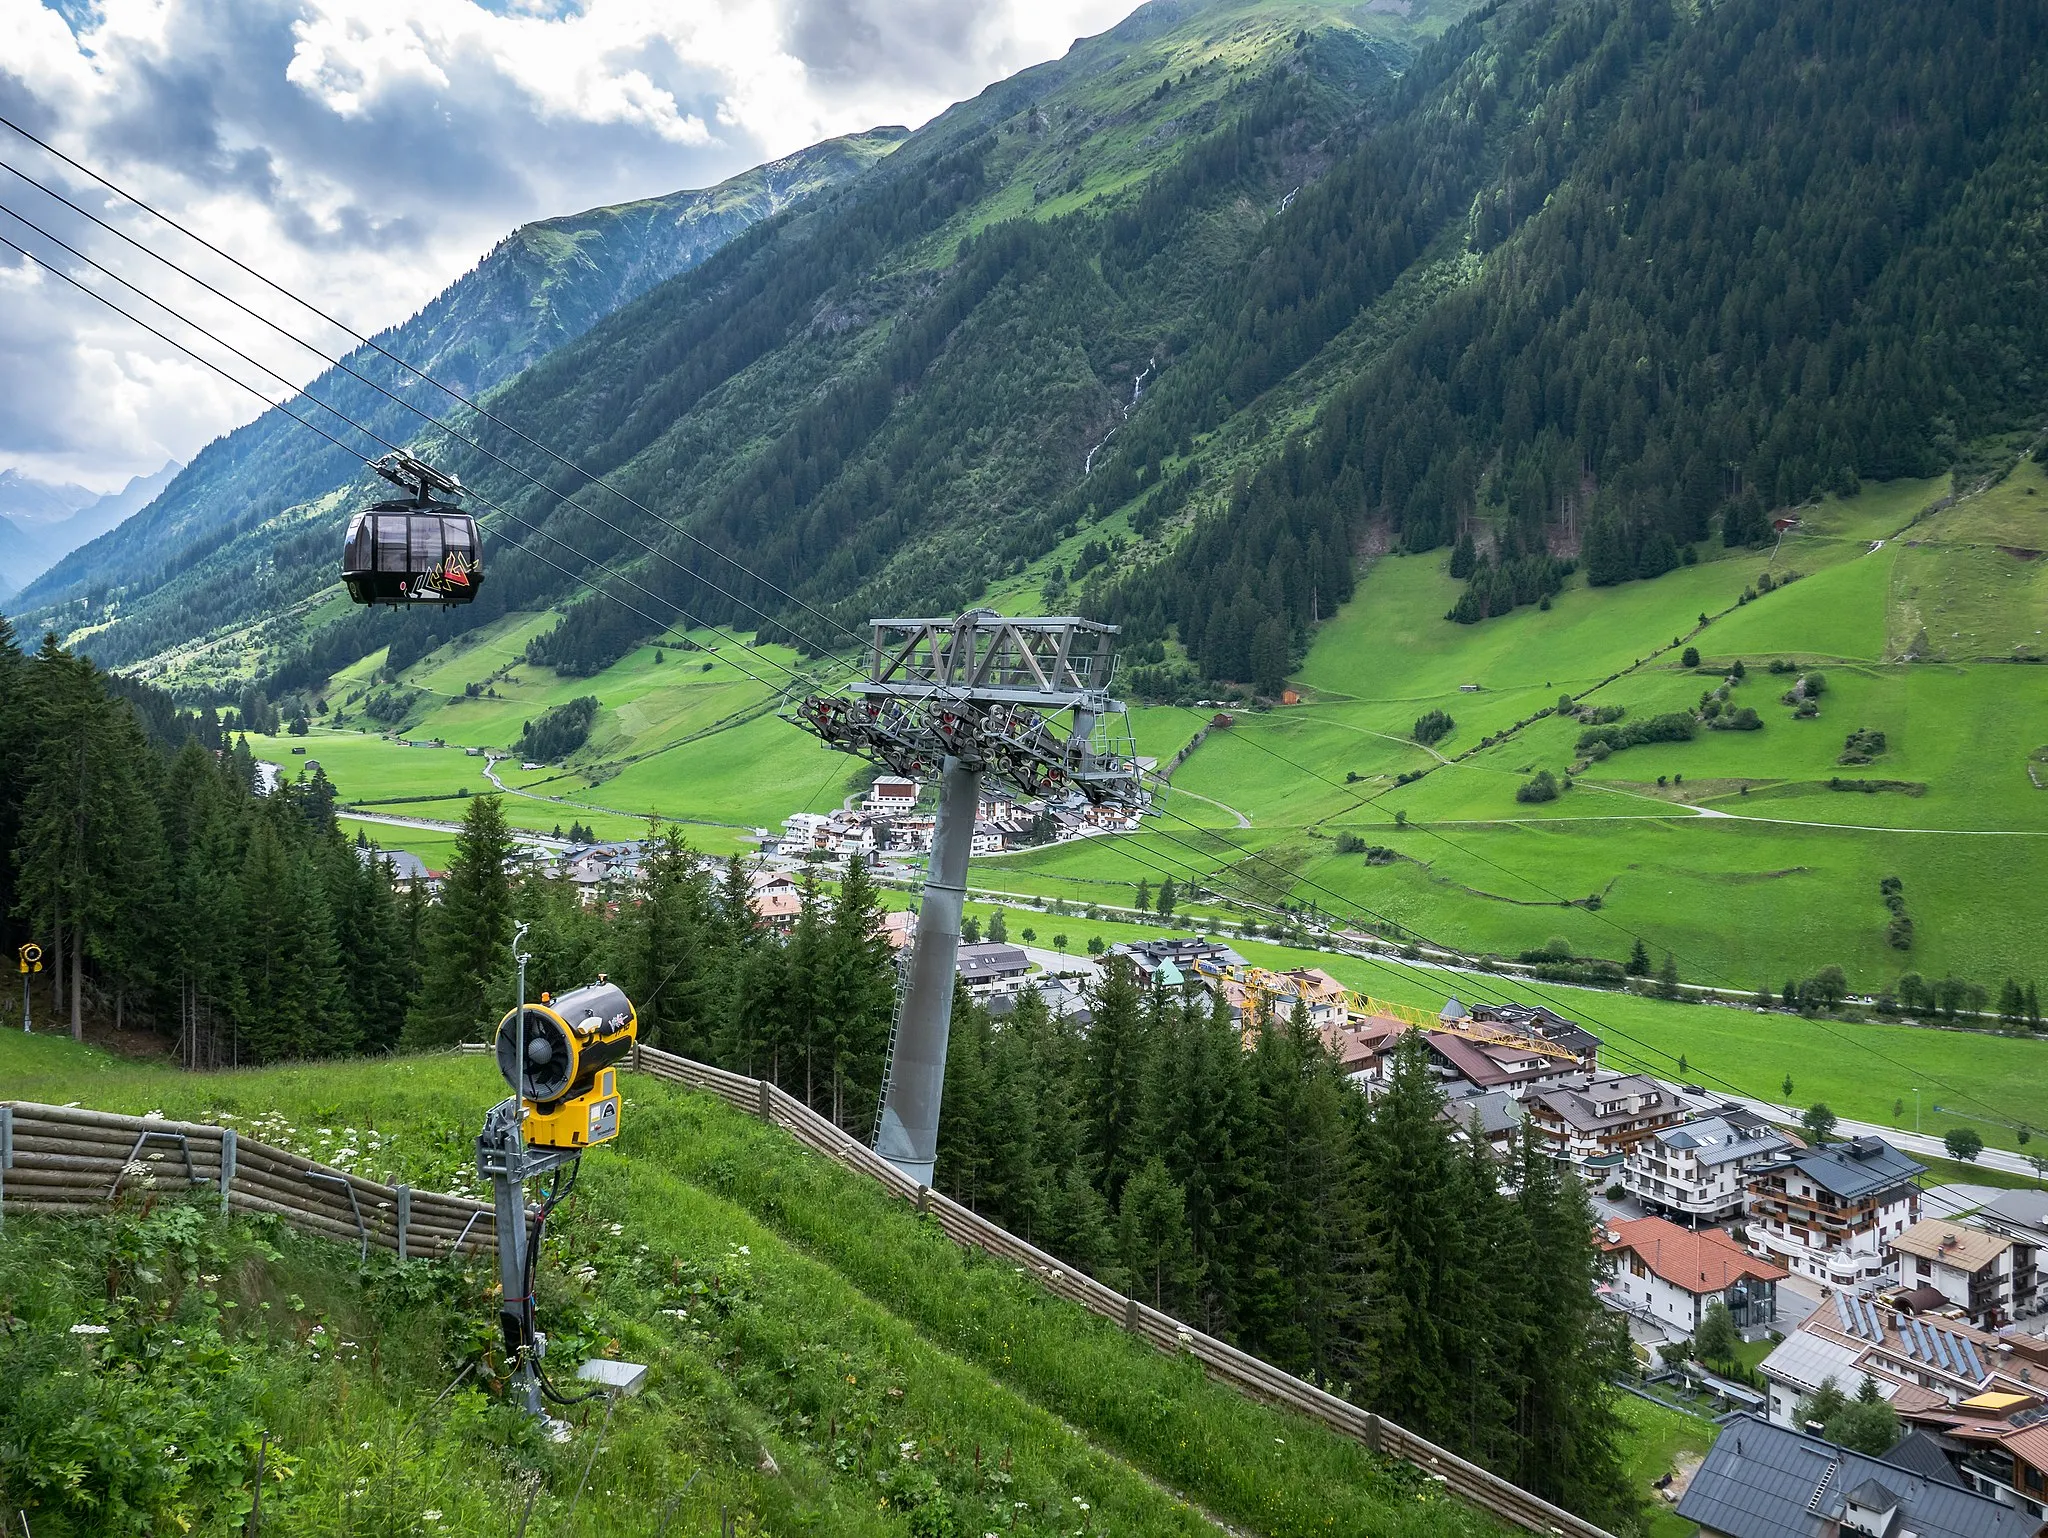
x,y
895,1029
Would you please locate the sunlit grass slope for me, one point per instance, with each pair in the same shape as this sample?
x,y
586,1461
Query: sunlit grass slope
x,y
789,1312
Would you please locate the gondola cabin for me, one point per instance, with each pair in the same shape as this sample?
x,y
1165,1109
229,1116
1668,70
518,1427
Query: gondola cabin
x,y
416,551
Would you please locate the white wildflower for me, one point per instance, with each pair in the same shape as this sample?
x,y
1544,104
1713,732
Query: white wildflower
x,y
432,1514
89,1329
618,1228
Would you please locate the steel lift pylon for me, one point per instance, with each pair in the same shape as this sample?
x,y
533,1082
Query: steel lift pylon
x,y
958,701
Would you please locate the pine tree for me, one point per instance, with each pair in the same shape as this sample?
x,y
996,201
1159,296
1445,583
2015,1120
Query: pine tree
x,y
466,983
1113,1095
1406,1166
1572,1436
664,944
860,969
1667,977
1202,1121
90,849
1153,1243
1638,964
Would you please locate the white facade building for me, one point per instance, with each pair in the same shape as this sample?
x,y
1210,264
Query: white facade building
x,y
1669,1275
1990,1277
1830,1213
1698,1172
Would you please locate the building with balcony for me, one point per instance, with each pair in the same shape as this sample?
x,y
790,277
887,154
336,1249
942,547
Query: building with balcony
x,y
1828,1213
1592,1123
1989,1276
1698,1172
891,796
992,968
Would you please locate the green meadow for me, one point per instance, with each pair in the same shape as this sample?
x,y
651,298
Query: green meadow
x,y
1733,852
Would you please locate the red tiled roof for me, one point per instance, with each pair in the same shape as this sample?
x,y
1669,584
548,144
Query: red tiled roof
x,y
1696,1260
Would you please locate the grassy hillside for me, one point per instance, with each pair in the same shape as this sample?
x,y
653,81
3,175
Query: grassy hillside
x,y
820,1358
1751,871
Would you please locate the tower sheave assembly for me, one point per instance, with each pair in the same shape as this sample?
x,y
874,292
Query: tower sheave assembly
x,y
956,700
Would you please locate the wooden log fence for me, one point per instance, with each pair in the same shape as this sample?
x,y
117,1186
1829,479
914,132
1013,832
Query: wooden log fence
x,y
63,1159
66,1160
1221,1361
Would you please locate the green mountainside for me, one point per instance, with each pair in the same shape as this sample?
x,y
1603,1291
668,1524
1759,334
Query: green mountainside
x,y
232,535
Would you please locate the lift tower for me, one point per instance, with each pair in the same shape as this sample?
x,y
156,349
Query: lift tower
x,y
954,700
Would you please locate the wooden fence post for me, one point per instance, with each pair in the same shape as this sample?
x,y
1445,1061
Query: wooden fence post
x,y
1131,1315
227,1166
6,1155
767,1096
404,1219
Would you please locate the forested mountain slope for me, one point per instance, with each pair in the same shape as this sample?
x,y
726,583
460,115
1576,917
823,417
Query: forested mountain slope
x,y
543,285
1251,286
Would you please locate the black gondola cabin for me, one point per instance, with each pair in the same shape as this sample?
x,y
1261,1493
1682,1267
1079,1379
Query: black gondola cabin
x,y
415,551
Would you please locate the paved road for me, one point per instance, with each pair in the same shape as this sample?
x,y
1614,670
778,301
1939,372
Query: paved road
x,y
435,825
1908,1142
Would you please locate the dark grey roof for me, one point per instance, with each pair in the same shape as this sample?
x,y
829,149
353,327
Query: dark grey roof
x,y
1538,1021
1857,1168
1765,1481
1872,1496
1919,1453
1182,949
2021,1209
991,959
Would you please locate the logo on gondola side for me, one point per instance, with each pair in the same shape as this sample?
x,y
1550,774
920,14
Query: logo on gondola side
x,y
455,571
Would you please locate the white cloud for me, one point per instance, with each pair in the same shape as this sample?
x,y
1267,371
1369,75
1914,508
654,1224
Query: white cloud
x,y
366,152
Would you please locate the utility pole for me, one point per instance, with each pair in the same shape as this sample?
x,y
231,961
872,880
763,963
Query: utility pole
x,y
955,700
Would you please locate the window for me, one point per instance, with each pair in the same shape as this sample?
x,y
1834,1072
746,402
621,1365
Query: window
x,y
391,542
426,544
1923,1268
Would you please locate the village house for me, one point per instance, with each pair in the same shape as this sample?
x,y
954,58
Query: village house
x,y
1468,1067
1592,1123
1698,1171
1493,1118
992,968
1186,954
1364,1047
1976,1397
1535,1022
1668,1275
1988,1276
2023,1215
1761,1480
891,796
1828,1213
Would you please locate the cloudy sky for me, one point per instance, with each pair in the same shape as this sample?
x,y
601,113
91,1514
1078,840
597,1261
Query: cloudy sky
x,y
366,152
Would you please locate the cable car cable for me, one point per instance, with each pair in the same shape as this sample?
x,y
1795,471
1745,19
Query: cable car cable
x,y
408,367
242,384
343,365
